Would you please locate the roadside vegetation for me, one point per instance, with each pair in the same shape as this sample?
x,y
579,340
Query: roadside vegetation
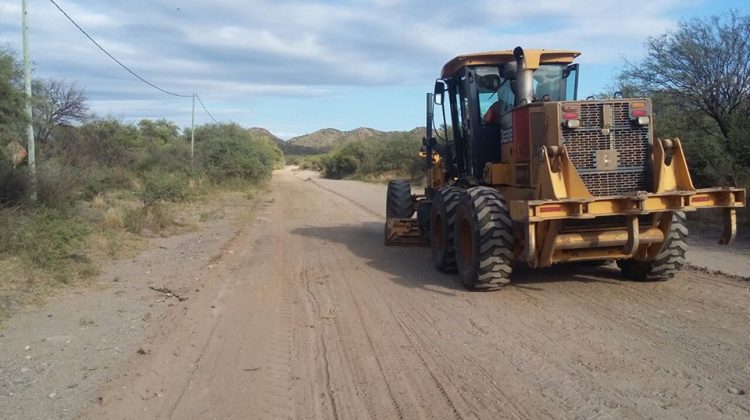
x,y
699,78
103,184
385,155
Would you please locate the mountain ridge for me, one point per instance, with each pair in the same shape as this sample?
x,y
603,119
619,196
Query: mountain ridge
x,y
325,140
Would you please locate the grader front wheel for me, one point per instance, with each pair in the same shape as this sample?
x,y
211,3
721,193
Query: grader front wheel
x,y
484,239
442,221
399,203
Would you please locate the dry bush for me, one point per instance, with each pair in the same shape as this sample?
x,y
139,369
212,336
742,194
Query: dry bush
x,y
98,202
114,218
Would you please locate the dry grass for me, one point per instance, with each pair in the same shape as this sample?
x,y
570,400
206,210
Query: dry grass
x,y
113,218
99,202
105,217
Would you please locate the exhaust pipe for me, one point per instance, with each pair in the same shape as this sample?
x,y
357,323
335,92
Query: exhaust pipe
x,y
524,79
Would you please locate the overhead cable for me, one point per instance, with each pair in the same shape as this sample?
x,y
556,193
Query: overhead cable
x,y
116,60
204,108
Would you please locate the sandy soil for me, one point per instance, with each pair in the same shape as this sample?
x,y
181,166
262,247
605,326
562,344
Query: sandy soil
x,y
307,315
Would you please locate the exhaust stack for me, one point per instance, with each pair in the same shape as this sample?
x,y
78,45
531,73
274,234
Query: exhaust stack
x,y
524,86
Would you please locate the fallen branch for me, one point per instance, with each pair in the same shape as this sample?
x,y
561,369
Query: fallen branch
x,y
168,292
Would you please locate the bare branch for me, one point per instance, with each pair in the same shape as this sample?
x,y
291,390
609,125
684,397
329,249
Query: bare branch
x,y
58,103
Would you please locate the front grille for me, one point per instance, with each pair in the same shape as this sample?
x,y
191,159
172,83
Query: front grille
x,y
615,183
631,142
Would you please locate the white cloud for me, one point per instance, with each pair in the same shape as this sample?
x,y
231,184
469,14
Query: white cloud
x,y
234,50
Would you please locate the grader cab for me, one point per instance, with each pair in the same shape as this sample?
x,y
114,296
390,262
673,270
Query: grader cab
x,y
526,172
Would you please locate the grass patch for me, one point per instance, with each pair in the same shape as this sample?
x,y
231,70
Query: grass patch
x,y
45,238
45,249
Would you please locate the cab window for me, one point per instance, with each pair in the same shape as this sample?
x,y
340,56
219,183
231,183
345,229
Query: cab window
x,y
493,90
555,82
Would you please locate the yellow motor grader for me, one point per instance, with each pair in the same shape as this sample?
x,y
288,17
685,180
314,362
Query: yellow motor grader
x,y
525,172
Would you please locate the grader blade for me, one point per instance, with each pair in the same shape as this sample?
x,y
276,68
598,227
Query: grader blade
x,y
403,232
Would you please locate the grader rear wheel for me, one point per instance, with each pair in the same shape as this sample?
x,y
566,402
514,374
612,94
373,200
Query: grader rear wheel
x,y
670,259
484,239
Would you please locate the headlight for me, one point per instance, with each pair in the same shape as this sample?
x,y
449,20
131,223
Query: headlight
x,y
572,123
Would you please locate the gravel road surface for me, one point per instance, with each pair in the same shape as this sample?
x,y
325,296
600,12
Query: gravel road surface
x,y
305,314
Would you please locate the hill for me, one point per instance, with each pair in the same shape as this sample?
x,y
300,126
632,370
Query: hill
x,y
258,131
328,139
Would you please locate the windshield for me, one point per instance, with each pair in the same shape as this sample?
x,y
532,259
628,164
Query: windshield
x,y
492,88
551,82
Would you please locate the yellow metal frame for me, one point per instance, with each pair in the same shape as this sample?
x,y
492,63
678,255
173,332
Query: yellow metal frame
x,y
532,58
559,179
562,195
533,211
670,167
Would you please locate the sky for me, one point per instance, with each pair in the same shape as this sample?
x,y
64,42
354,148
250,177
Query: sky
x,y
294,67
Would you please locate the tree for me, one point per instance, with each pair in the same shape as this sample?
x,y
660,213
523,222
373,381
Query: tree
x,y
162,130
700,75
57,103
11,95
230,152
108,142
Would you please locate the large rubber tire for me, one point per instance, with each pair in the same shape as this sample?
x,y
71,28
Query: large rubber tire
x,y
423,218
484,240
442,221
398,203
670,259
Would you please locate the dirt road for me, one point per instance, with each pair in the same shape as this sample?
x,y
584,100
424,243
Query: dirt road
x,y
308,315
303,313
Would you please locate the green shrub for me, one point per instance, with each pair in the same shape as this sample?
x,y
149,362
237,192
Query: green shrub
x,y
171,157
100,179
160,187
57,185
227,152
312,163
340,165
14,183
47,238
391,153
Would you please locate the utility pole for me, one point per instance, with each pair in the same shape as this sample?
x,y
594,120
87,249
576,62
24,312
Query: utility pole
x,y
27,85
192,136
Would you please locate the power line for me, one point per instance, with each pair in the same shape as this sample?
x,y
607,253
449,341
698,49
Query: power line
x,y
113,58
204,108
195,95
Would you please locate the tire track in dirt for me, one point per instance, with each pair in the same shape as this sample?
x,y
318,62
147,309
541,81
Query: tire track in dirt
x,y
329,392
278,397
194,366
649,321
360,368
410,333
353,296
339,326
389,389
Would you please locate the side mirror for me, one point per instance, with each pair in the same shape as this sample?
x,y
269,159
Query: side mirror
x,y
440,88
